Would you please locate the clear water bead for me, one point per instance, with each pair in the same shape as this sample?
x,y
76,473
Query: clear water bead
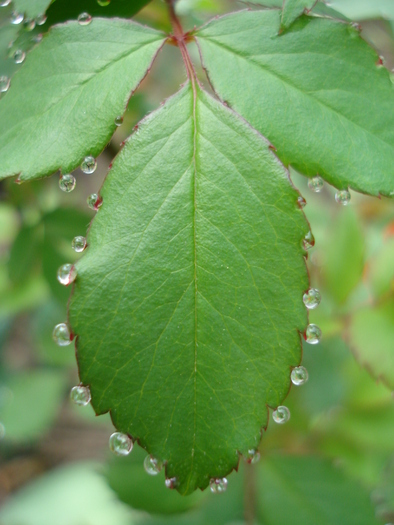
x,y
299,375
19,56
94,201
312,298
343,197
218,485
312,334
301,201
61,335
119,121
84,19
29,24
281,415
253,456
103,3
78,244
37,38
5,3
152,465
316,184
120,444
67,182
308,241
66,274
17,18
89,165
171,483
41,19
4,84
80,395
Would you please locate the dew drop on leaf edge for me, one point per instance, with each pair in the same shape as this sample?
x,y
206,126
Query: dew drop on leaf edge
x,y
78,244
218,485
80,395
343,197
152,465
316,184
29,24
299,375
171,483
66,274
301,201
308,241
67,182
17,18
312,298
252,457
84,19
94,201
281,415
61,335
89,165
120,444
41,19
313,334
4,84
19,56
119,121
5,3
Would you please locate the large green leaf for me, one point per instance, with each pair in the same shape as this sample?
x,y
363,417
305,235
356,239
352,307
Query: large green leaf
x,y
188,299
31,8
315,92
292,9
69,91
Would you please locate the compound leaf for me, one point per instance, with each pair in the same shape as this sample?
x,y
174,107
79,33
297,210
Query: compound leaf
x,y
70,90
292,9
188,302
315,91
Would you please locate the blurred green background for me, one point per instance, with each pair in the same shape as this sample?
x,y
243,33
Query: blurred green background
x,y
333,462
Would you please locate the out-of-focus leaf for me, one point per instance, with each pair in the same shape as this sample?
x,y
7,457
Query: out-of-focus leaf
x,y
381,270
364,9
25,254
18,299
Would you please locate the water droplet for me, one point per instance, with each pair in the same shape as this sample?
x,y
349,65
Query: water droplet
x,y
316,184
78,244
119,121
253,456
94,201
120,444
2,431
171,483
312,298
67,182
301,201
380,62
41,19
312,334
5,3
37,38
152,465
61,335
308,241
281,415
354,28
89,165
66,274
343,197
103,3
218,485
299,375
80,395
19,56
4,84
84,19
17,18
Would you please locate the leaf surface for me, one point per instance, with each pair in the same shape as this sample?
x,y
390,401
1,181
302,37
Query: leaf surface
x,y
292,9
315,92
69,91
188,299
31,8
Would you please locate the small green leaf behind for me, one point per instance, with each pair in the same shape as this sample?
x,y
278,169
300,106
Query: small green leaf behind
x,y
292,9
70,89
188,301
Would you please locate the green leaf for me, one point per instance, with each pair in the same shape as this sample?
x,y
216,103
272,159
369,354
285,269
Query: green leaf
x,y
371,336
309,91
310,490
31,8
24,254
364,9
380,272
292,9
83,76
188,299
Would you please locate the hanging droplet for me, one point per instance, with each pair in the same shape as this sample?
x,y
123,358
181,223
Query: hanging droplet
x,y
312,298
316,184
61,335
103,3
80,395
253,456
84,19
5,3
312,334
41,19
67,182
308,241
171,483
301,201
299,375
343,197
78,244
119,121
94,201
120,444
380,62
281,415
89,165
4,84
354,29
218,485
152,465
66,274
19,56
37,38
17,18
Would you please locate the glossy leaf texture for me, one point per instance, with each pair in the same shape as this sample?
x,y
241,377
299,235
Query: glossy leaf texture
x,y
315,91
69,91
292,9
188,302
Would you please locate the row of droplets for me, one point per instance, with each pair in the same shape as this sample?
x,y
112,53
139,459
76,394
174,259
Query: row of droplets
x,y
316,184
